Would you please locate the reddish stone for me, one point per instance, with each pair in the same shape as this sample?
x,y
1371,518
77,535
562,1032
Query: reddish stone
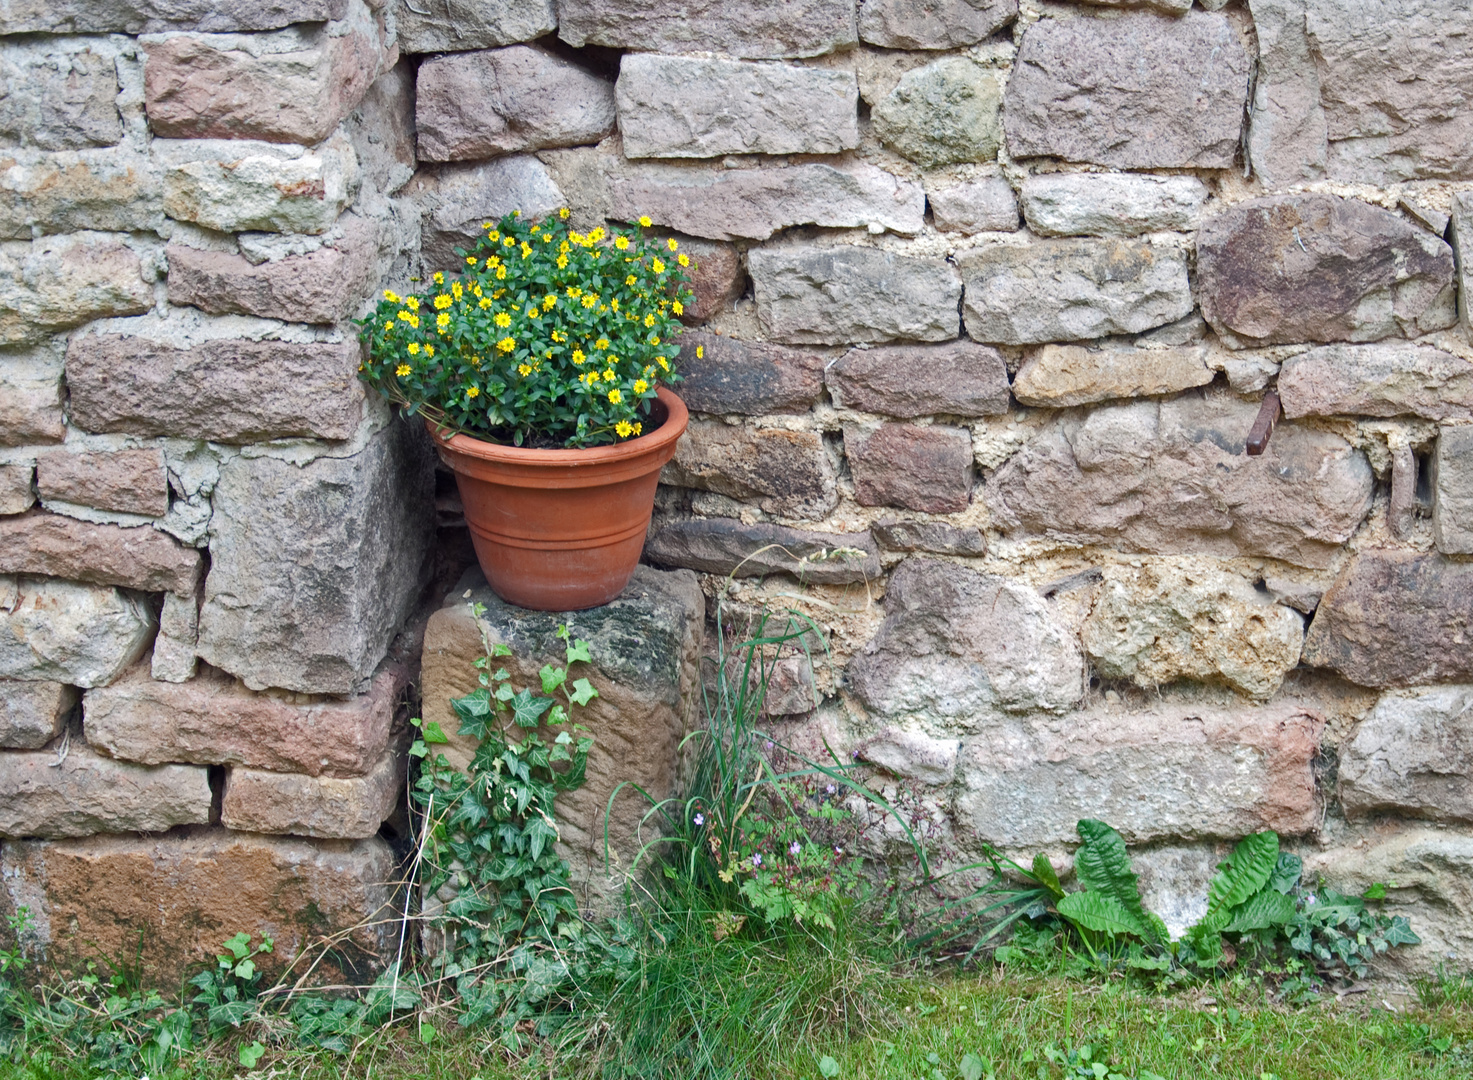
x,y
125,481
139,558
956,379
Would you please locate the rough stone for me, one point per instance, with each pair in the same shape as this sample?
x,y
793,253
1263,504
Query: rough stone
x,y
1286,121
113,191
1062,375
459,199
314,567
1070,290
127,481
956,379
49,795
33,713
646,654
1452,491
244,186
1178,620
1135,92
382,130
1401,507
1171,477
1412,756
749,378
1288,268
17,492
61,631
728,546
784,472
63,281
909,466
214,720
449,25
169,901
826,296
157,16
986,205
752,204
174,659
684,107
1395,618
1387,379
1461,234
913,755
60,98
932,24
471,105
1168,7
1170,771
747,28
1174,879
322,286
1110,204
717,278
31,397
327,807
227,390
789,687
134,558
943,113
295,86
958,647
935,537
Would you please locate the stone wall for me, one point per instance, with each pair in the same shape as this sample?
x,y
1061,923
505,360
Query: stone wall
x,y
990,294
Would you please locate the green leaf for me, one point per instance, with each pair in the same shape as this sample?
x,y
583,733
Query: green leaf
x,y
475,713
1247,870
1043,872
1377,891
1262,910
828,1067
1101,913
579,651
251,1054
583,692
434,734
527,708
972,1067
1103,866
552,678
1287,872
1400,932
240,945
245,969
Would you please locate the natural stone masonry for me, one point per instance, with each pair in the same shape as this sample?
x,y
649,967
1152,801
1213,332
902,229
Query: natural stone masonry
x,y
958,379
60,282
943,113
1172,478
1286,127
174,658
717,278
784,472
1061,375
241,186
105,190
911,754
932,24
746,28
1110,204
726,546
1135,92
1412,755
1069,290
909,466
471,24
59,98
747,377
929,536
459,200
689,108
1291,268
135,558
30,397
214,720
33,713
826,295
1452,497
1214,772
227,390
51,794
187,893
126,481
986,205
1386,379
480,104
153,16
17,488
327,807
61,631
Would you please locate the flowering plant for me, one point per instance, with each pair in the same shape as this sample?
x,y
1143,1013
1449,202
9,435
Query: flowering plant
x,y
545,336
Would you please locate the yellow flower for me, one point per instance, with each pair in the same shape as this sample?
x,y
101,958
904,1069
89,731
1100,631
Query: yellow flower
x,y
671,244
501,273
649,320
574,292
388,327
678,308
564,248
492,260
493,235
548,302
613,306
443,319
562,262
657,266
622,243
664,364
629,280
559,337
402,370
524,370
470,260
413,348
597,235
526,249
590,301
601,343
638,427
579,356
624,428
456,289
391,296
412,303
683,259
484,303
575,238
473,392
700,352
507,344
475,361
439,278
640,386
507,241
563,213
615,396
646,222
443,301
429,350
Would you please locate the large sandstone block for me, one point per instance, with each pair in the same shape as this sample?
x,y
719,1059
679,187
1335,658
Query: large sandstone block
x,y
1062,375
17,489
214,719
750,378
109,190
135,558
944,113
1289,268
1452,491
1172,478
959,648
1169,771
63,281
1110,204
382,130
1412,756
227,390
784,472
458,200
472,24
242,187
171,900
727,546
331,808
1387,379
1140,91
313,567
747,28
1183,620
956,379
1395,618
156,16
33,713
46,794
471,105
31,397
826,296
646,654
322,286
910,466
986,205
683,107
61,96
932,24
125,481
294,86
63,632
752,204
717,278
1287,140
1070,290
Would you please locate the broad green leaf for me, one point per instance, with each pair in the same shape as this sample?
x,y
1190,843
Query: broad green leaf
x,y
1043,873
828,1067
1103,867
552,677
1247,870
1101,913
1287,872
583,692
1400,932
1262,910
245,969
474,711
972,1067
527,708
251,1054
434,734
579,651
500,650
240,945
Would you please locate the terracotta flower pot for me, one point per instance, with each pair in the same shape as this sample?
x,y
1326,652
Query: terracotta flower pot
x,y
562,530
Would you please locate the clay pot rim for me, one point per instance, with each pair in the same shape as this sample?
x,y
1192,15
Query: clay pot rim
x,y
676,419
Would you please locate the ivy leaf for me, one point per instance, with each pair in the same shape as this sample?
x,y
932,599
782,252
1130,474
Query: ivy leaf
x,y
434,734
583,692
474,711
579,651
1400,932
552,678
500,650
527,708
